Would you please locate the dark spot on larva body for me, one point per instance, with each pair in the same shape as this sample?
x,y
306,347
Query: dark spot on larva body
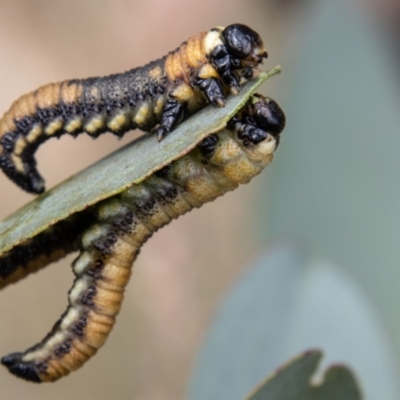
x,y
79,327
46,115
106,244
25,124
124,89
7,163
63,348
97,271
157,78
8,141
146,206
70,110
41,367
87,298
124,223
169,194
114,94
134,83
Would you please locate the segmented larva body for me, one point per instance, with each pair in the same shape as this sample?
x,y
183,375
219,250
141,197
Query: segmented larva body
x,y
110,243
204,69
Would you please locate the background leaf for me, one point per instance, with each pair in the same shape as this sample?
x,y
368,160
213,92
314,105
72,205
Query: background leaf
x,y
287,303
293,382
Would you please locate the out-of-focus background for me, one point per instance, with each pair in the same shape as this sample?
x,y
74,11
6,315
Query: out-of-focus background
x,y
306,255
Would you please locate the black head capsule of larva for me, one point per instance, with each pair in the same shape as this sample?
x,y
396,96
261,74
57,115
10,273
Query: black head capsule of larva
x,y
268,115
261,117
238,53
244,43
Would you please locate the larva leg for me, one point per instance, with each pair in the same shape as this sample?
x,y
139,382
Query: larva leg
x,y
207,145
173,112
213,91
174,108
221,61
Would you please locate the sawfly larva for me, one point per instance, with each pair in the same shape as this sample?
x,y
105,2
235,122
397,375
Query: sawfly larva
x,y
204,69
110,234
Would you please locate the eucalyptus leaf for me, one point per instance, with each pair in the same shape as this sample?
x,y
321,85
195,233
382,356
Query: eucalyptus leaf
x,y
116,172
293,382
289,300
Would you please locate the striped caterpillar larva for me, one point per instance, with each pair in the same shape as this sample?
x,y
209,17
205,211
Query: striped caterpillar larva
x,y
111,233
202,70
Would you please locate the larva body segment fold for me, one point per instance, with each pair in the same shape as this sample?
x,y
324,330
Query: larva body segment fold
x,y
111,241
204,69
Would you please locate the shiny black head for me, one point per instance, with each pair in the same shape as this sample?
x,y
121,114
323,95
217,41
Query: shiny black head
x,y
261,117
244,43
268,115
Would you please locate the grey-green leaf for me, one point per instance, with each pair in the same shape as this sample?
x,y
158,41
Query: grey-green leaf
x,y
113,174
292,382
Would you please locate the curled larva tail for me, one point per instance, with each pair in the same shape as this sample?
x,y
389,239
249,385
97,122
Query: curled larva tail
x,y
204,69
109,246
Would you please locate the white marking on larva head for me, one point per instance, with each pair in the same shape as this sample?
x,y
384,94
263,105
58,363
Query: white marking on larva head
x,y
212,40
80,286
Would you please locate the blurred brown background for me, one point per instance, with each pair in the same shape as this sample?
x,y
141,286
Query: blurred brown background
x,y
185,269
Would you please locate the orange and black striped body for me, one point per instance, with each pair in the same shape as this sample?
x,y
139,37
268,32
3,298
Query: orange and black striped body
x,y
159,95
116,228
